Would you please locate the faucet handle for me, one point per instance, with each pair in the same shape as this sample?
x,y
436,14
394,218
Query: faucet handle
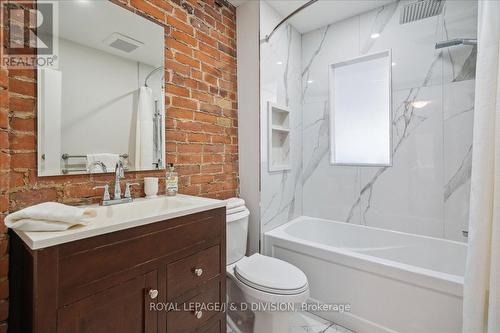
x,y
105,196
127,189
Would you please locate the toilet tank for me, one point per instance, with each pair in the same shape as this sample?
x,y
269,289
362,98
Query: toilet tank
x,y
236,235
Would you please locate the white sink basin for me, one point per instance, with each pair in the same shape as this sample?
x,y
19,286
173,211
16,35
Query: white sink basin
x,y
123,216
141,208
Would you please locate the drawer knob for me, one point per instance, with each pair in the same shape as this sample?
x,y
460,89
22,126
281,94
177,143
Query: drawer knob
x,y
153,293
198,271
198,314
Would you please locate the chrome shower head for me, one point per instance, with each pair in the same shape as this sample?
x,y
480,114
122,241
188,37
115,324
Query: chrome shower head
x,y
455,42
419,10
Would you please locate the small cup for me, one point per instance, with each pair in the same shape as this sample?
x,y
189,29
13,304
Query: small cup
x,y
151,187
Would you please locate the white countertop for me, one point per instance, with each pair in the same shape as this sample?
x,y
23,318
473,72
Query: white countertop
x,y
123,216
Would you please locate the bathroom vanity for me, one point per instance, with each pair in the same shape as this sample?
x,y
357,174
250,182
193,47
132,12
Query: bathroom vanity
x,y
139,267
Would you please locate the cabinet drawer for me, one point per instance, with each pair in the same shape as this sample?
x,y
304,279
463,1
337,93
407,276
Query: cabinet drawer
x,y
188,318
91,265
192,271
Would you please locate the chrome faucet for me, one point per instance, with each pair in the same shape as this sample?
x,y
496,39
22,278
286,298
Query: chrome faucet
x,y
117,198
119,174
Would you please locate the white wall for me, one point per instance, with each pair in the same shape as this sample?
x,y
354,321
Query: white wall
x,y
280,82
99,99
426,190
247,17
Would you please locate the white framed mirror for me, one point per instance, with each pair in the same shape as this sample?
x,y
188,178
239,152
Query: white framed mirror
x,y
361,111
104,103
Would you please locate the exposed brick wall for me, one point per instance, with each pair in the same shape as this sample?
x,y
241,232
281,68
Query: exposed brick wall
x,y
200,75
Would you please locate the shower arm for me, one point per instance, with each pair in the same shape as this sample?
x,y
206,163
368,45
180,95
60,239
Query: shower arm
x,y
307,4
151,73
455,42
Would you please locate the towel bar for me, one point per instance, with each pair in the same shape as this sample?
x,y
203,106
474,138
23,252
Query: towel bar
x,y
65,156
65,171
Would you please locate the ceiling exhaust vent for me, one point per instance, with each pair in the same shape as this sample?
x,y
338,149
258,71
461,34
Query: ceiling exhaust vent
x,y
122,42
420,10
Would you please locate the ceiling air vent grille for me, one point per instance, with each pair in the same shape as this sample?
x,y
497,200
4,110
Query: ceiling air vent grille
x,y
420,10
122,42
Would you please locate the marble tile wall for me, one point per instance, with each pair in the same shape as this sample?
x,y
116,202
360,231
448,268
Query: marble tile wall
x,y
426,191
280,75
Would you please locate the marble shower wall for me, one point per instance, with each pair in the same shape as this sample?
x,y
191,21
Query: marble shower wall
x,y
426,191
280,79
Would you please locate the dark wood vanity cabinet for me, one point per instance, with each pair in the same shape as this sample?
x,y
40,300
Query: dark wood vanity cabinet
x,y
147,279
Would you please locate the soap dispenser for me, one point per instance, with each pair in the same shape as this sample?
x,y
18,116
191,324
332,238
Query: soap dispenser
x,y
171,181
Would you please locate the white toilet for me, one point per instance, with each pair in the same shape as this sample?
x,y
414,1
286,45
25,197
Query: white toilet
x,y
263,280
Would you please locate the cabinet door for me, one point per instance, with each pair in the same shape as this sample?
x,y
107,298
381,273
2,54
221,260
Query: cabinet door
x,y
124,308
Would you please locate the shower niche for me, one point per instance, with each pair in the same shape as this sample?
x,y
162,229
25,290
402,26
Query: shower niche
x,y
279,137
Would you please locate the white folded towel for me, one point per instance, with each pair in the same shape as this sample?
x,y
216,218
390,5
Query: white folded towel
x,y
108,159
49,216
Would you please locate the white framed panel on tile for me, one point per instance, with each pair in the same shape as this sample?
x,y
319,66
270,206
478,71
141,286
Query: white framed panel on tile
x,y
278,137
361,111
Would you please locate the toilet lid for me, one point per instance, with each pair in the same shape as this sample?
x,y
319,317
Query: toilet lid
x,y
271,275
234,202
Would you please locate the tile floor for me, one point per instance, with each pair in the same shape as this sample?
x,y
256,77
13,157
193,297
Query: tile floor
x,y
305,322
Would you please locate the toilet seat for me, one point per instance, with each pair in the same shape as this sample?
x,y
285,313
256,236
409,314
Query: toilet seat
x,y
235,205
270,275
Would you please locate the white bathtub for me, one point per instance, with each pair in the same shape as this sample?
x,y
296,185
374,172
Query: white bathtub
x,y
393,281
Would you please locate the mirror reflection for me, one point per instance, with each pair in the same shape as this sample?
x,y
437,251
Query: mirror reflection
x,y
105,101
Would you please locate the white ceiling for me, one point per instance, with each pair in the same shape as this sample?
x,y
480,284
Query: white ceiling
x,y
322,12
90,22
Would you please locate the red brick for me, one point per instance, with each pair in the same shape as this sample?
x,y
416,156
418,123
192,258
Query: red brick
x,y
18,104
179,25
81,191
176,90
204,117
22,87
189,126
190,148
4,161
187,60
4,118
200,75
163,5
180,113
212,52
178,46
24,125
4,78
201,96
4,98
184,103
201,179
33,196
177,67
185,38
148,9
189,158
198,137
21,141
206,39
23,160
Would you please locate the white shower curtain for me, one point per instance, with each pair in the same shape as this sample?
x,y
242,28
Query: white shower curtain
x,y
481,312
144,130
